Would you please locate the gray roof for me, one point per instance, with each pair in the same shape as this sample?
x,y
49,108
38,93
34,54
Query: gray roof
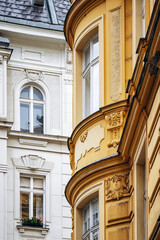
x,y
51,15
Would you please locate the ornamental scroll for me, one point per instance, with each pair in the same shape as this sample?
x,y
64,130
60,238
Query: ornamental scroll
x,y
117,187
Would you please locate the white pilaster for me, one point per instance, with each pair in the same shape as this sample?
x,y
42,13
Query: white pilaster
x,y
4,56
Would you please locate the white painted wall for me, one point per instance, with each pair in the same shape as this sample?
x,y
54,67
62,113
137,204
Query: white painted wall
x,y
40,58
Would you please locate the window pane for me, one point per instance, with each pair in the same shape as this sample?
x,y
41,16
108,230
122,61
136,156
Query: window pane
x,y
86,219
25,92
24,205
25,182
87,238
95,213
38,206
95,88
95,235
95,48
38,118
24,117
87,94
87,56
37,94
38,183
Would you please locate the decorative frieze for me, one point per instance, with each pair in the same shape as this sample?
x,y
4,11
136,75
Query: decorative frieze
x,y
115,46
117,186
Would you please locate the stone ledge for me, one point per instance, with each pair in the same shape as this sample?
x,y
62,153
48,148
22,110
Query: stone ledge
x,y
30,231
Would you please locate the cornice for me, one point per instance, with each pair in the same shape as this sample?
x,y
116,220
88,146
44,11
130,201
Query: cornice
x,y
40,137
94,171
78,10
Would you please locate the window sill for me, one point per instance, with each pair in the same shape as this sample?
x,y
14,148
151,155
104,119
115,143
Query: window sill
x,y
29,230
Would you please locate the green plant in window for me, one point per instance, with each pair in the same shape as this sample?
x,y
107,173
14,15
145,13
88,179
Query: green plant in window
x,y
35,222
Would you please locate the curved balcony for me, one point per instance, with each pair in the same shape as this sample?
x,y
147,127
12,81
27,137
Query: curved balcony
x,y
97,136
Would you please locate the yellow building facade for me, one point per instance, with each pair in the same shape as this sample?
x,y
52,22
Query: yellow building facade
x,y
115,144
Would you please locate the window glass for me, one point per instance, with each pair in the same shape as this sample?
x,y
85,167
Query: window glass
x,y
87,94
95,48
90,76
25,182
37,94
24,118
95,235
31,113
24,205
25,92
91,221
38,206
95,87
37,183
86,219
95,212
87,56
38,118
32,197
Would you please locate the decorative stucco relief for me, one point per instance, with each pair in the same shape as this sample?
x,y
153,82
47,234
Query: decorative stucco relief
x,y
117,187
32,75
115,43
114,127
88,140
83,136
33,161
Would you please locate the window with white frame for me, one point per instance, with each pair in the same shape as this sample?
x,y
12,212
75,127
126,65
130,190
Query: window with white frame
x,y
91,221
91,77
32,197
31,110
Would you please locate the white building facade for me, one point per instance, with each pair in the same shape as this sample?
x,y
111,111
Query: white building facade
x,y
35,120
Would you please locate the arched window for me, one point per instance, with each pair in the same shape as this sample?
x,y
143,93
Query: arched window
x,y
31,110
91,77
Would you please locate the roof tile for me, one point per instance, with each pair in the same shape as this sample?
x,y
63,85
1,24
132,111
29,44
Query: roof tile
x,y
22,9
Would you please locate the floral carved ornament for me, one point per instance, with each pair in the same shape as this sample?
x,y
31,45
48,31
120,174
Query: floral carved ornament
x,y
117,186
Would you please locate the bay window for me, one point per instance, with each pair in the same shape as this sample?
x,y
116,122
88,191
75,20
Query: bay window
x,y
91,77
31,110
91,221
32,197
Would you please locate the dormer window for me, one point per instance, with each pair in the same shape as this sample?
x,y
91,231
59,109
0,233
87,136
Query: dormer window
x,y
38,2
